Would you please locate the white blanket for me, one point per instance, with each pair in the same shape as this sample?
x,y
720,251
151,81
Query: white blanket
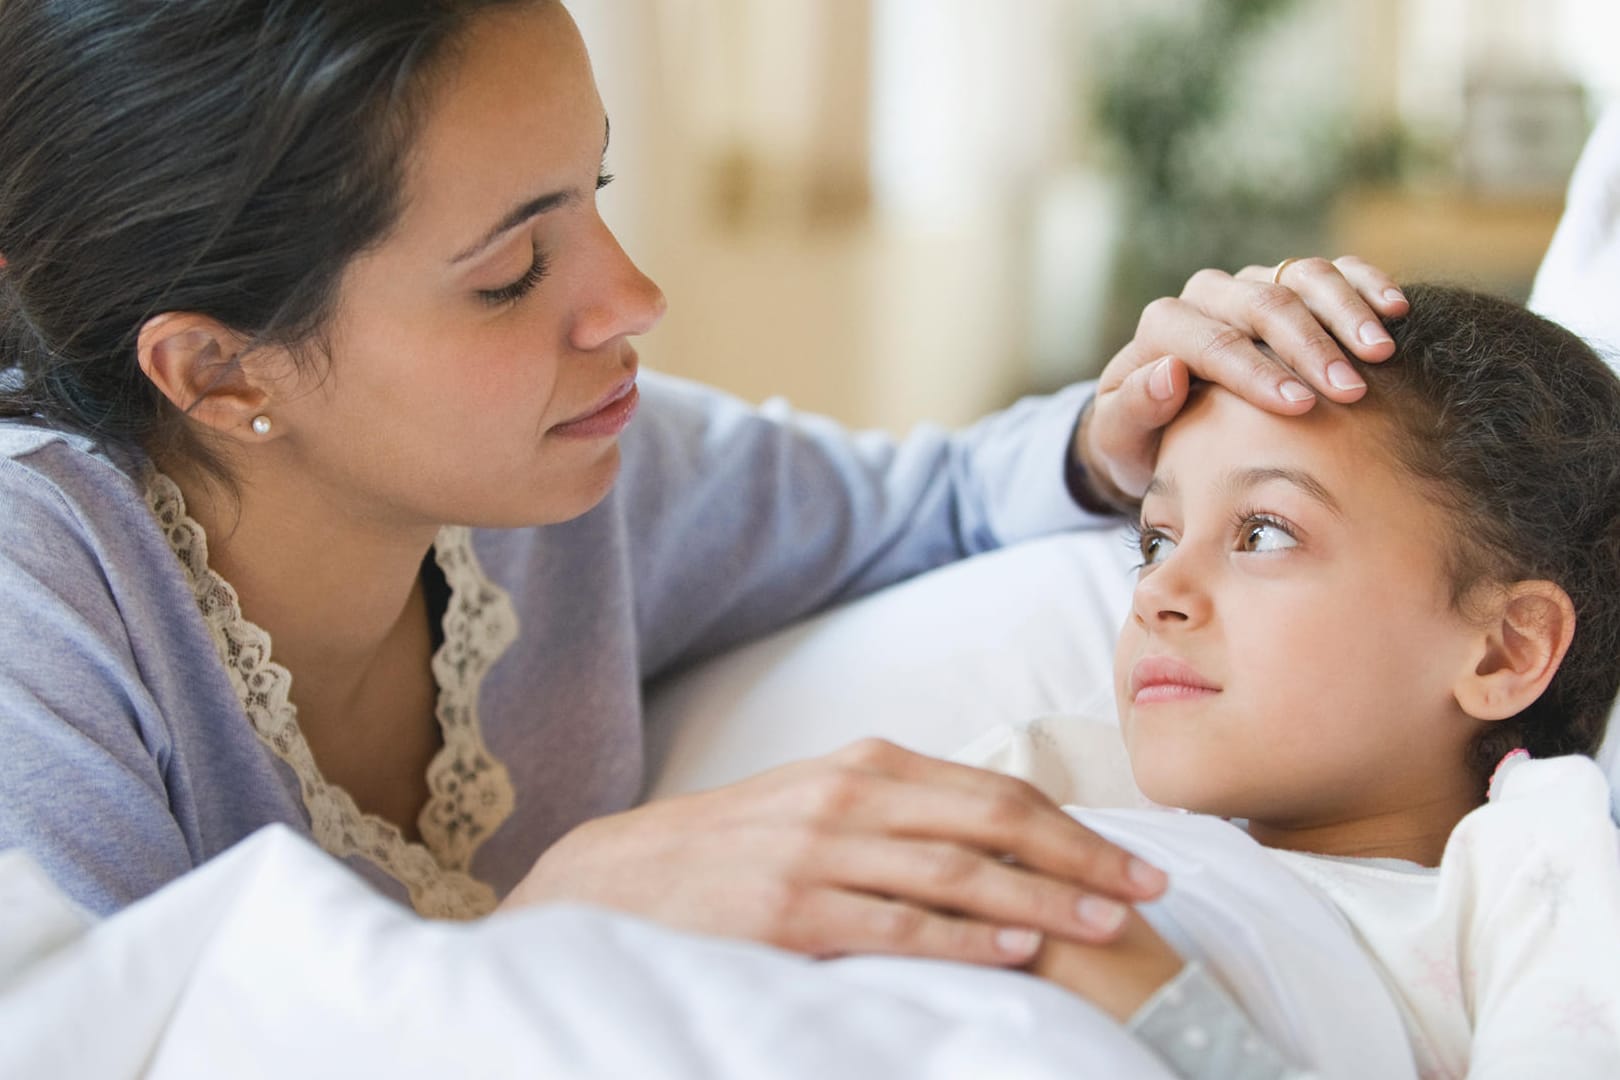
x,y
273,960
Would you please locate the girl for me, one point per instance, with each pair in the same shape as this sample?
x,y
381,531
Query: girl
x,y
1343,626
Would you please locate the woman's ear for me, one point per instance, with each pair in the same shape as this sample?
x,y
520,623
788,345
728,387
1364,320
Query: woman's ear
x,y
197,363
1522,640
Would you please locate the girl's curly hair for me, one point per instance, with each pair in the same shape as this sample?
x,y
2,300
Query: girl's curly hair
x,y
1514,423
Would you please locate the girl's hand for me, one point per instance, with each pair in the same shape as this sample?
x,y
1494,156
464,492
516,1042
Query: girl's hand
x,y
872,849
1117,978
1308,311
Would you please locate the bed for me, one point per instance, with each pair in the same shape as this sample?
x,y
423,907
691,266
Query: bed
x,y
216,980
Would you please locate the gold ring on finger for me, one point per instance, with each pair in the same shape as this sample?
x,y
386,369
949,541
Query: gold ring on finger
x,y
1276,275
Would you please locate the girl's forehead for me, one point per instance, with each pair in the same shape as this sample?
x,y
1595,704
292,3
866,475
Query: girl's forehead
x,y
1345,448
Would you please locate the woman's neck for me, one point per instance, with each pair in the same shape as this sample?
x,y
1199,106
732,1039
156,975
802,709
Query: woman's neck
x,y
331,590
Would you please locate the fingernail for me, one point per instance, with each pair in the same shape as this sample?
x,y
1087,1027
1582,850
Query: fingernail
x,y
1102,916
1018,942
1373,333
1162,384
1146,877
1294,390
1394,296
1344,377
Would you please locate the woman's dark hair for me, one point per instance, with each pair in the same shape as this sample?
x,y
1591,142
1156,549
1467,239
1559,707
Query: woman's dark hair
x,y
223,157
1514,423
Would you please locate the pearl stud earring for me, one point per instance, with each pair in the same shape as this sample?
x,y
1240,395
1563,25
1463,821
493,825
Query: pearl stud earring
x,y
261,425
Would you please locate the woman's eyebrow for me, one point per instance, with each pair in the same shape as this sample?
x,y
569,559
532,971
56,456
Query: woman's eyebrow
x,y
530,209
1241,480
519,214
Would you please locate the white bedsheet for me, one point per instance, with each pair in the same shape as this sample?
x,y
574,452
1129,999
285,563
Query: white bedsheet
x,y
273,960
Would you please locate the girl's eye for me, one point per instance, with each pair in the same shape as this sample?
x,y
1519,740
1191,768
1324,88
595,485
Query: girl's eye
x,y
1260,534
511,294
1154,545
603,180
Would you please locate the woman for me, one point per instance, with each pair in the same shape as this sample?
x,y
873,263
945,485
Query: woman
x,y
291,287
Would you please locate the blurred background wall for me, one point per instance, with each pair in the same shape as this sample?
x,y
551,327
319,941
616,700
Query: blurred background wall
x,y
897,211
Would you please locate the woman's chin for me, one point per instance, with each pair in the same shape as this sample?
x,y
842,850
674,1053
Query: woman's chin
x,y
550,500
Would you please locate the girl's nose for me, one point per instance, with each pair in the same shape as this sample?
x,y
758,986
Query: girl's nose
x,y
1171,594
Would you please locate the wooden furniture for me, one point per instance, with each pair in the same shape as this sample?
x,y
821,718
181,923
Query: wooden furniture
x,y
1487,242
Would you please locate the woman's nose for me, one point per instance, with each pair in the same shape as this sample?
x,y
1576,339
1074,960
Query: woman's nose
x,y
623,302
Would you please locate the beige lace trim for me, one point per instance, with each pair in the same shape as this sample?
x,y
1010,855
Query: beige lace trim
x,y
471,793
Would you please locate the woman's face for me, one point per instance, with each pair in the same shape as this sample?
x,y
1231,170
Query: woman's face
x,y
1292,650
467,346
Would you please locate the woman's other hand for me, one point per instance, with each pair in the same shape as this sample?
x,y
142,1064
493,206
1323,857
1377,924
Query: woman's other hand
x,y
872,849
1118,978
1309,312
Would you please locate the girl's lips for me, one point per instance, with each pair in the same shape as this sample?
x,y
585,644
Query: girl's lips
x,y
1163,678
607,419
1158,693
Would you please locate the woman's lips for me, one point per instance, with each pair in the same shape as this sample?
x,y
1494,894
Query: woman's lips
x,y
1163,678
606,419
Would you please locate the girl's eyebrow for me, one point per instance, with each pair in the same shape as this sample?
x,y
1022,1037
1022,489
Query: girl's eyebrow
x,y
1160,485
1240,480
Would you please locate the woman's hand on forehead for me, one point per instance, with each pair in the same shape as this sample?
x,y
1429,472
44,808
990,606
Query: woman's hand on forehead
x,y
1314,316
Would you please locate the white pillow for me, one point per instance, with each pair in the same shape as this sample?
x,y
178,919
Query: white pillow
x,y
1608,756
932,664
1580,275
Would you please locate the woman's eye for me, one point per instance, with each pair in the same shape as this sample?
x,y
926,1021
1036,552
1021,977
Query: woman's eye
x,y
1261,535
509,294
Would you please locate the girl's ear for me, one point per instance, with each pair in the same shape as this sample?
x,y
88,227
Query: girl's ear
x,y
197,363
1522,640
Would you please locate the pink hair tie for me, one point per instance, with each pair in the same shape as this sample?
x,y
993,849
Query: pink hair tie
x,y
1510,760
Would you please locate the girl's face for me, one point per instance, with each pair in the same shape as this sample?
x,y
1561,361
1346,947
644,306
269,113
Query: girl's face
x,y
470,342
1292,647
